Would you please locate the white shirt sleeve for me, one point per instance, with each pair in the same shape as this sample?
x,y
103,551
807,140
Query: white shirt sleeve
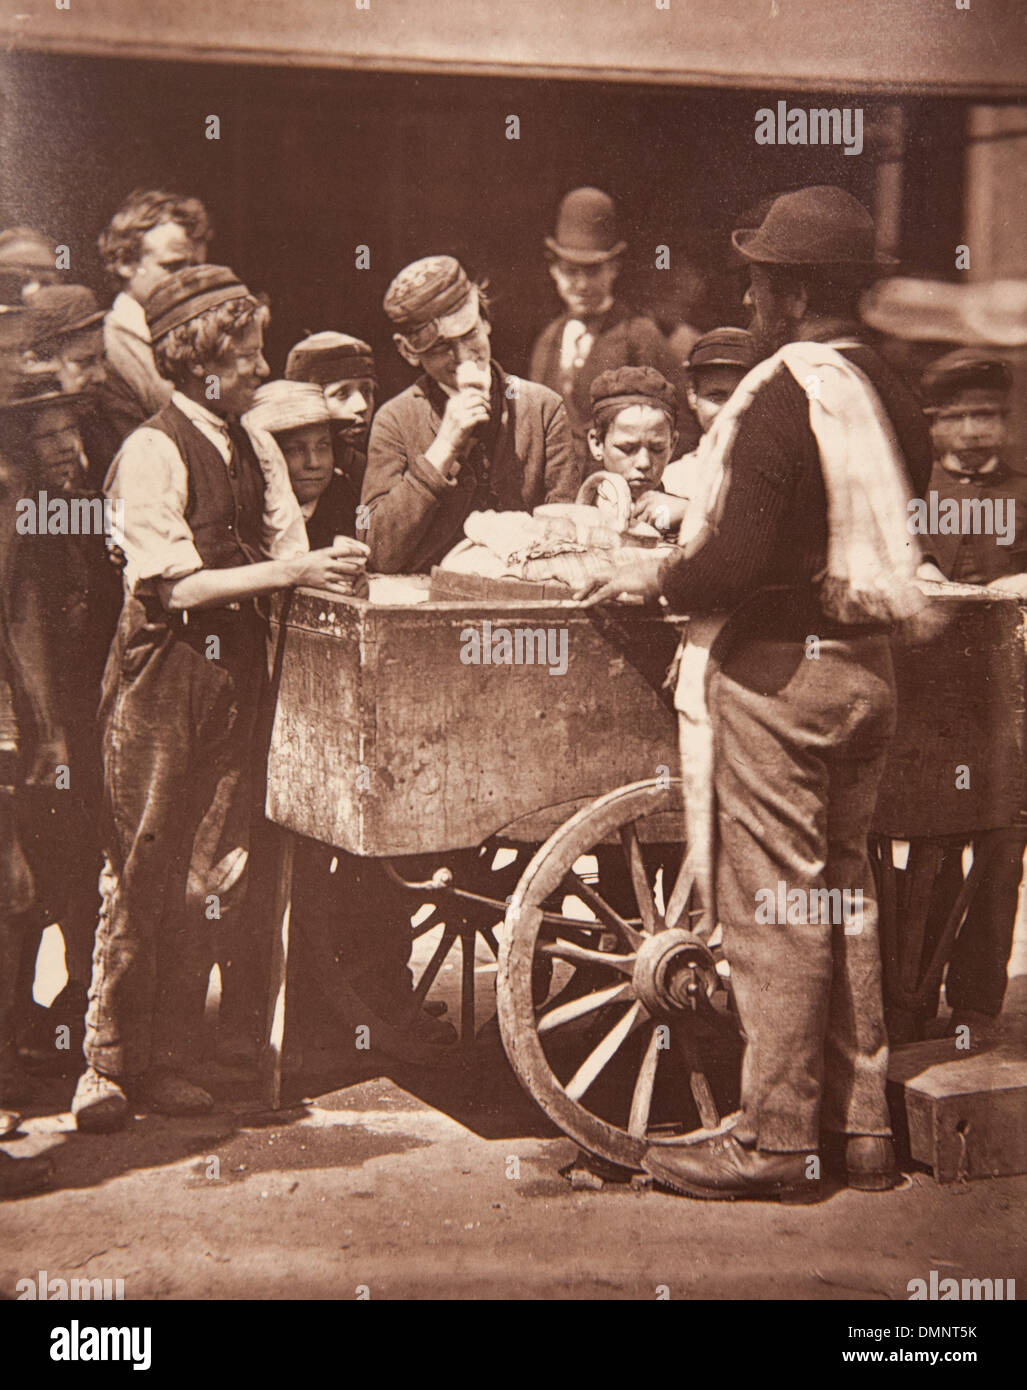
x,y
149,479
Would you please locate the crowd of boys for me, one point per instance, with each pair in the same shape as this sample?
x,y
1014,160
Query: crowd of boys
x,y
133,658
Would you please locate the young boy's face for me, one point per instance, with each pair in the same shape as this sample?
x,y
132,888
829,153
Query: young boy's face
x,y
972,427
57,447
351,403
308,452
638,445
81,365
710,389
165,249
239,372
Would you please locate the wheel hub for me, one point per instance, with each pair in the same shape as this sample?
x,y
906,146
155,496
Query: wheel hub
x,y
673,969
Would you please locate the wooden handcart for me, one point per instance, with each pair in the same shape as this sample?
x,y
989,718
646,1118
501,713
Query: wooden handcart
x,y
544,817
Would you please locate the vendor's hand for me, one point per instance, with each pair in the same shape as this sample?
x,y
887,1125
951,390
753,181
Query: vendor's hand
x,y
640,578
464,413
1011,584
334,567
659,510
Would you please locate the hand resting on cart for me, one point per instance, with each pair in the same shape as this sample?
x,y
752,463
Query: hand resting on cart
x,y
633,573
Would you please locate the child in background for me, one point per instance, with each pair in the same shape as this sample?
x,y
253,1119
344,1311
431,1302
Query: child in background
x,y
717,363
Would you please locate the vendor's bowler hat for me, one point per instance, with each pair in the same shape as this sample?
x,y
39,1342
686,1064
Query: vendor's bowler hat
x,y
819,226
586,228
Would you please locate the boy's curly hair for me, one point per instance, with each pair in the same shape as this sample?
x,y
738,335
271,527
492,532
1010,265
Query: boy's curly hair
x,y
208,338
121,242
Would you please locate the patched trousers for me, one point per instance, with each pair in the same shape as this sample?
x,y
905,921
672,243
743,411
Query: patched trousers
x,y
178,715
800,745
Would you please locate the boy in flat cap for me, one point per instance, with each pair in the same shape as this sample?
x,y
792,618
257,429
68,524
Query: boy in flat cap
x,y
966,399
152,234
596,332
717,363
634,428
70,342
804,532
344,369
464,437
210,525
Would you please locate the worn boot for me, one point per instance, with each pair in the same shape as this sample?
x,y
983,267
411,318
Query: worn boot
x,y
99,1104
722,1169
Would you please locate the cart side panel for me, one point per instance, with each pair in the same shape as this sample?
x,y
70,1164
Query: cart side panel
x,y
961,705
322,738
464,749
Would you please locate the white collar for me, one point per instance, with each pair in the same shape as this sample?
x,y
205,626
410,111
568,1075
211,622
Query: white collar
x,y
197,413
129,314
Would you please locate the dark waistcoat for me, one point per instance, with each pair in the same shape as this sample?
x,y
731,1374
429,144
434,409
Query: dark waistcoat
x,y
225,503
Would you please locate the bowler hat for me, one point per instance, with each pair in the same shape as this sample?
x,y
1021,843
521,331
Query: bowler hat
x,y
25,250
586,228
819,226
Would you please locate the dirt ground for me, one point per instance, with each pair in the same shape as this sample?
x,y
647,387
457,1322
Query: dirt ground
x,y
406,1183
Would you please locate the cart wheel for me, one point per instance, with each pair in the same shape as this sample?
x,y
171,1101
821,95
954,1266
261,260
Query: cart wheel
x,y
453,950
635,1041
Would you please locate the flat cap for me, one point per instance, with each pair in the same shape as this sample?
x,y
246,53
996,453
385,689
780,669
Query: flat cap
x,y
963,370
434,288
288,405
623,386
723,347
328,357
64,309
187,293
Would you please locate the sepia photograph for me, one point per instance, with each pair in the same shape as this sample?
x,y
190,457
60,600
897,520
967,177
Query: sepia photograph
x,y
513,669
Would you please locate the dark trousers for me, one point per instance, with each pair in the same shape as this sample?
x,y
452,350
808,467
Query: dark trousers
x,y
178,726
977,973
799,749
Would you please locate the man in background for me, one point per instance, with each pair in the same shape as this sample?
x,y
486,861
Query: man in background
x,y
596,332
152,234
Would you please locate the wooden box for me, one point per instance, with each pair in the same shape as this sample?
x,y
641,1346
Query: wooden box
x,y
965,1113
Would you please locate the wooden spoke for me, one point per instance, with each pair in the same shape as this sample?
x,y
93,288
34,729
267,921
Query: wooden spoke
x,y
489,933
584,955
697,1082
642,1096
604,1052
577,885
434,919
426,981
584,1004
467,1019
639,878
680,893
